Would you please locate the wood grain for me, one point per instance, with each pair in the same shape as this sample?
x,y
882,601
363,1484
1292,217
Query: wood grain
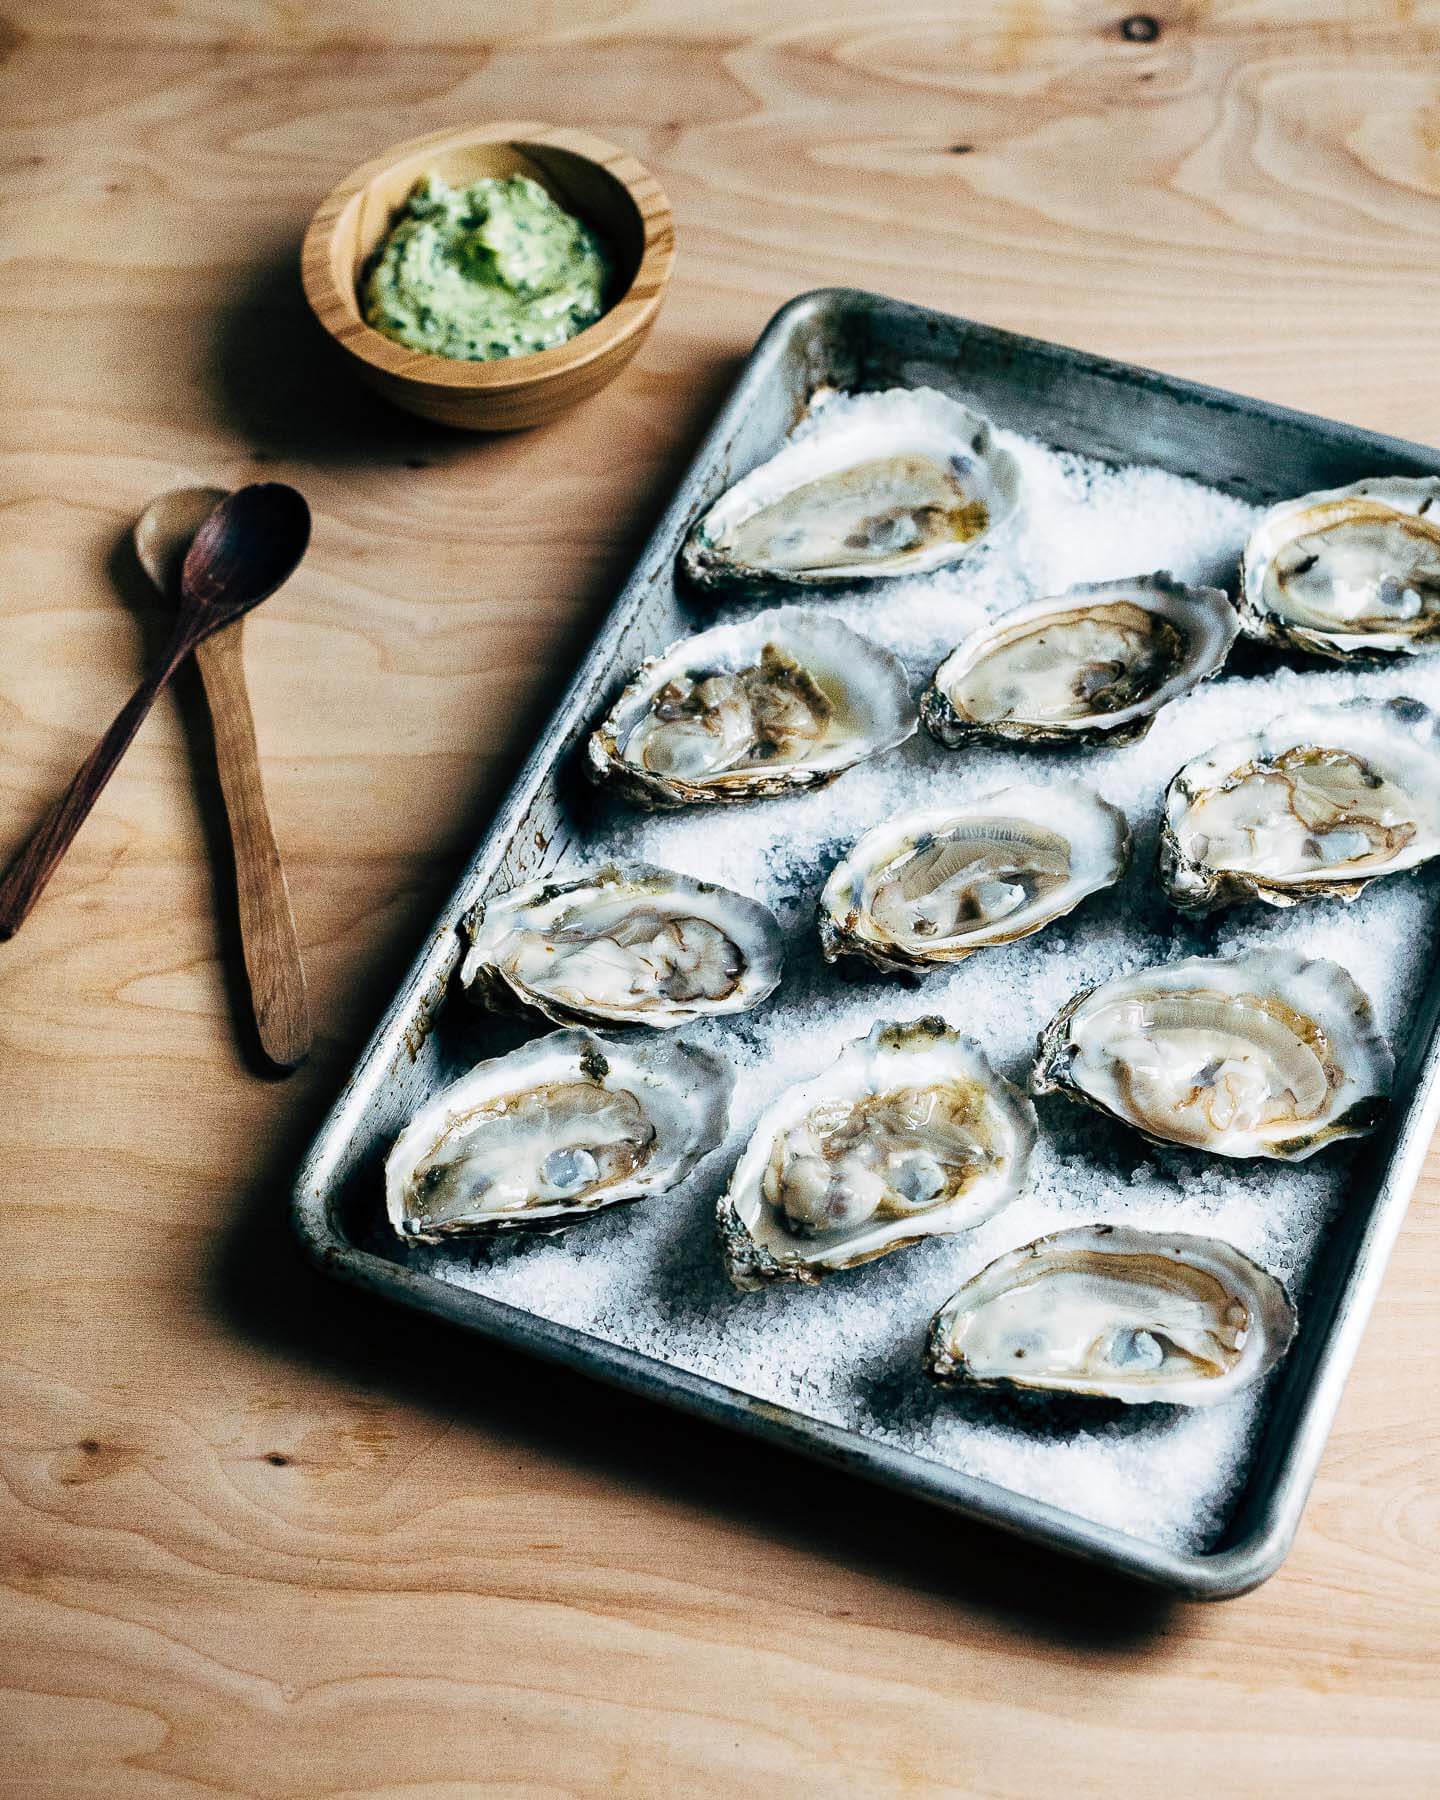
x,y
597,181
262,1538
25,879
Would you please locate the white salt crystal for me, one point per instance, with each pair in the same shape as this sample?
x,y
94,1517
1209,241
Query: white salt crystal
x,y
649,1277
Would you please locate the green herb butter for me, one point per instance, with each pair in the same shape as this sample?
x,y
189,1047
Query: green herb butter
x,y
494,269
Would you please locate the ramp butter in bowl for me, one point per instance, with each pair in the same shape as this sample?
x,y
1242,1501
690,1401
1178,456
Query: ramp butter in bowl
x,y
612,195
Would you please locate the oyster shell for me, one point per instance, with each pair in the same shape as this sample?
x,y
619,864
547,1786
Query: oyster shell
x,y
1350,571
1091,666
1317,804
931,887
786,699
1137,1316
909,1134
560,1128
1266,1054
627,944
890,483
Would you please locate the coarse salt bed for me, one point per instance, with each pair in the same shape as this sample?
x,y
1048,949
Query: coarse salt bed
x,y
650,1277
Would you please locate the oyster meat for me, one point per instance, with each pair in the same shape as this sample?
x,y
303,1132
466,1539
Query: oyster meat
x,y
928,888
1137,1316
909,1134
890,483
627,944
1351,571
1091,666
1316,805
559,1129
1266,1054
786,699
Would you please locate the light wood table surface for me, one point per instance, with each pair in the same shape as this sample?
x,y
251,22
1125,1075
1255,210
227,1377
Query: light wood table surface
x,y
262,1538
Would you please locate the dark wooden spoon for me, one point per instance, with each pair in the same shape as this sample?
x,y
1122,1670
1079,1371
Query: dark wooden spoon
x,y
249,546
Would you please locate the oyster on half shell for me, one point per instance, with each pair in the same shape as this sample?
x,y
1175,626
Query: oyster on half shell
x,y
556,1130
1267,1054
1316,805
786,699
890,483
908,1134
929,888
1348,572
625,944
1091,666
1136,1316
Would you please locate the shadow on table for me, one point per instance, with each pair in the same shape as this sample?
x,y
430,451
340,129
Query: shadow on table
x,y
267,1292
289,391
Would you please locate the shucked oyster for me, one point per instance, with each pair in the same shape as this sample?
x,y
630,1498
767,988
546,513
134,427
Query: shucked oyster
x,y
1316,805
560,1128
892,483
1137,1316
784,700
628,944
930,887
1091,666
908,1135
1265,1054
1351,571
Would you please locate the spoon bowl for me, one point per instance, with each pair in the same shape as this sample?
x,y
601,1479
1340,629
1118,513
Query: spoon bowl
x,y
167,528
247,547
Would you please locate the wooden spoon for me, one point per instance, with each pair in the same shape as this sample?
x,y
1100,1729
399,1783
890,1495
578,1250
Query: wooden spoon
x,y
163,535
247,547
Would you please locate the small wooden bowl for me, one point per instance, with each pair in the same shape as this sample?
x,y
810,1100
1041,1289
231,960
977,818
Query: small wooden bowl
x,y
619,199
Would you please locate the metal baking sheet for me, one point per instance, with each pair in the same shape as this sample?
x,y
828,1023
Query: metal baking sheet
x,y
855,341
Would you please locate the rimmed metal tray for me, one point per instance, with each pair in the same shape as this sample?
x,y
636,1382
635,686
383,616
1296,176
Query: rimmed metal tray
x,y
854,340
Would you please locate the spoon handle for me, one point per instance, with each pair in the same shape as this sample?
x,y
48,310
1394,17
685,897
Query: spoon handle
x,y
25,879
267,923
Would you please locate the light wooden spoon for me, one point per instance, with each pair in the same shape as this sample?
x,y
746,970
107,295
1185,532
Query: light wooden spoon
x,y
163,535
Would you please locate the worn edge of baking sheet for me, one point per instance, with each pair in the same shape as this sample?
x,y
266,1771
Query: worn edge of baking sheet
x,y
1277,1494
